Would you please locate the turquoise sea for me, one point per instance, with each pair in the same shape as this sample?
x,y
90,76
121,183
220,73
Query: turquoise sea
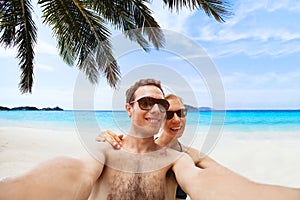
x,y
232,120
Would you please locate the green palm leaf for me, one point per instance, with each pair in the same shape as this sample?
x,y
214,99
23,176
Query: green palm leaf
x,y
79,31
219,9
18,29
130,15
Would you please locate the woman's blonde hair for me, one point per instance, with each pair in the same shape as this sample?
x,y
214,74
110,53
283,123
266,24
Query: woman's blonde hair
x,y
173,96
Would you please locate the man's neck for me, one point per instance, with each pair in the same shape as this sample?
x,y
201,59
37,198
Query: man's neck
x,y
139,145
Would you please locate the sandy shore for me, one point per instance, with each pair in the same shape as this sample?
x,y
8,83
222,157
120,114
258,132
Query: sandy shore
x,y
272,159
23,148
267,160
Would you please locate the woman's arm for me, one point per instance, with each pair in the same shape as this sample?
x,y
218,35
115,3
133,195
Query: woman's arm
x,y
110,137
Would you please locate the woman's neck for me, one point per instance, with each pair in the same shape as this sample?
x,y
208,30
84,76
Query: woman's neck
x,y
166,140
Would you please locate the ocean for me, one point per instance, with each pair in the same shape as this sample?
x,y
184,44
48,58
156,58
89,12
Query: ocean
x,y
239,121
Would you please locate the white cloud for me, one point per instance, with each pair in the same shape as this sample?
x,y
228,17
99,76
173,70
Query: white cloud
x,y
262,99
290,5
252,48
9,52
44,67
244,8
271,80
46,48
209,33
168,20
244,33
41,47
274,42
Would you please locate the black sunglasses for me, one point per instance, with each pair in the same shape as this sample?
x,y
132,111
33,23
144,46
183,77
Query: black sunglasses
x,y
147,103
180,113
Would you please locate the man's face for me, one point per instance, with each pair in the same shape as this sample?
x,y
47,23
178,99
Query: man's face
x,y
175,126
146,122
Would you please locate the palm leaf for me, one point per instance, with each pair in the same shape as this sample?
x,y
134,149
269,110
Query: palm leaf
x,y
109,65
79,31
18,29
132,18
219,9
144,20
8,23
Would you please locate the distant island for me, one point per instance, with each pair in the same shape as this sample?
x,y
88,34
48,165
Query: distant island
x,y
31,108
192,108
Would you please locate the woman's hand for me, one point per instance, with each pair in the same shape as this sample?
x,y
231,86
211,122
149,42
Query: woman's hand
x,y
110,137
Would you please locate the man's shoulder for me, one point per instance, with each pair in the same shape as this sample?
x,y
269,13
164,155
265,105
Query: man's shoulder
x,y
176,157
98,152
180,157
174,152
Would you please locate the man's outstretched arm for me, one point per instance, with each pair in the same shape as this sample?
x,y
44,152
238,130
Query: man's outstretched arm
x,y
219,183
58,178
200,159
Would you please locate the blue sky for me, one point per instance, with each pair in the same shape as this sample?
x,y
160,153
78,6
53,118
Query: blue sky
x,y
256,54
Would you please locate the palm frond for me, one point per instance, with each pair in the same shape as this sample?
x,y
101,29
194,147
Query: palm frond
x,y
103,62
79,31
18,29
219,9
132,18
90,67
109,65
144,20
8,23
216,8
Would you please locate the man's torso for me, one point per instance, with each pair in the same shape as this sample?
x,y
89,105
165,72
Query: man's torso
x,y
137,176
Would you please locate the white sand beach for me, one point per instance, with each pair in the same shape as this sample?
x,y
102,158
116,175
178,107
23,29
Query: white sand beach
x,y
22,148
263,159
270,160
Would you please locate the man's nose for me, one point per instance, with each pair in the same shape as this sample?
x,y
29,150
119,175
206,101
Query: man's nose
x,y
155,108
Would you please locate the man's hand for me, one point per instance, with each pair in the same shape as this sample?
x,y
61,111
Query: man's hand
x,y
110,137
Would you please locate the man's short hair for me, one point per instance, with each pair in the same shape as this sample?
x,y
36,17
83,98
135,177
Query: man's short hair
x,y
143,82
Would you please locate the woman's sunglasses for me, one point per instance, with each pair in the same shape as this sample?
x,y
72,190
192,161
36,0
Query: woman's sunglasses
x,y
147,103
180,113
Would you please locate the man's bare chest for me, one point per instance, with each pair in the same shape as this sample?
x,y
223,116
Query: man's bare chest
x,y
137,186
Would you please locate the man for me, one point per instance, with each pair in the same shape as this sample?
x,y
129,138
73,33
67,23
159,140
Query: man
x,y
218,182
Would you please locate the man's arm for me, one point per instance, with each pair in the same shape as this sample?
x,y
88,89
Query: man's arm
x,y
200,159
188,176
58,178
220,183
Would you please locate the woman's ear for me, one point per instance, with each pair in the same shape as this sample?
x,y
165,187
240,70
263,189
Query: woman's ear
x,y
129,109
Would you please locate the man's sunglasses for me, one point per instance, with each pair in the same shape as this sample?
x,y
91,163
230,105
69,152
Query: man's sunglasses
x,y
180,113
147,103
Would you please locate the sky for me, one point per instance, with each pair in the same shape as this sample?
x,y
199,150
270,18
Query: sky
x,y
252,60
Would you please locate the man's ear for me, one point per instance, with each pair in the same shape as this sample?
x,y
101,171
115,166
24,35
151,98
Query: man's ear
x,y
129,109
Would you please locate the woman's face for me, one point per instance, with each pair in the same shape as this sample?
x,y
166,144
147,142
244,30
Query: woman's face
x,y
176,125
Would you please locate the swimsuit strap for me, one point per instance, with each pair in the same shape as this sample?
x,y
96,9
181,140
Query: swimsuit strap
x,y
180,146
